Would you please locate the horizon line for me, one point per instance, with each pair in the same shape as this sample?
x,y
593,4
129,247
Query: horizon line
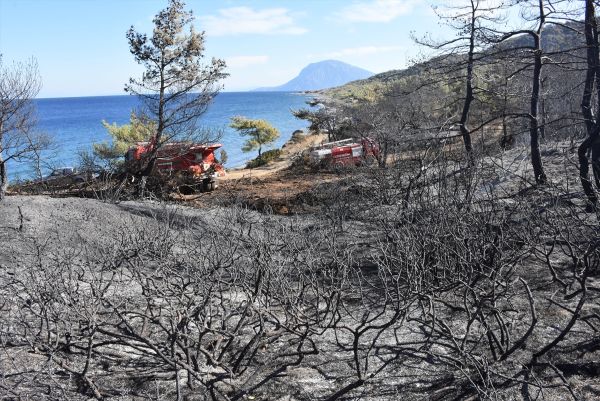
x,y
122,94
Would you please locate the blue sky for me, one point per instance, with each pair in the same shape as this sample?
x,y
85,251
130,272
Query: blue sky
x,y
81,49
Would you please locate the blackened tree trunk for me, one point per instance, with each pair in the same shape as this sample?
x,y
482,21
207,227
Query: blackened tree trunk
x,y
160,128
464,117
3,173
3,176
591,143
470,21
535,49
534,129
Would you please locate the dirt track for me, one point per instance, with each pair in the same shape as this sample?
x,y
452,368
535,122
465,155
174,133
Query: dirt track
x,y
290,151
279,187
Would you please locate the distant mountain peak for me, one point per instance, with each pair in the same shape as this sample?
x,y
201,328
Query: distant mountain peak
x,y
322,75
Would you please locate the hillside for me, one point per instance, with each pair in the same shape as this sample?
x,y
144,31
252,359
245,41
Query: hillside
x,y
321,75
555,38
368,88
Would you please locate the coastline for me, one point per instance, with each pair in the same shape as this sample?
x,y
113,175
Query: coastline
x,y
76,122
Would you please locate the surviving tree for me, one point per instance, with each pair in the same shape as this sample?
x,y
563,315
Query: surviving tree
x,y
19,83
260,133
139,129
176,87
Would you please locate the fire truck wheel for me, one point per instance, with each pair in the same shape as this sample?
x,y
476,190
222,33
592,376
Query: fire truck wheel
x,y
208,185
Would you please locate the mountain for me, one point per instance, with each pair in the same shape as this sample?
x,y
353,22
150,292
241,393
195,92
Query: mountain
x,y
321,75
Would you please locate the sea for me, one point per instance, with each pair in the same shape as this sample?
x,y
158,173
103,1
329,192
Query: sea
x,y
75,123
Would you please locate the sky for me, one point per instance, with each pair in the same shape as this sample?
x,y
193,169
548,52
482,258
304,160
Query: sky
x,y
81,49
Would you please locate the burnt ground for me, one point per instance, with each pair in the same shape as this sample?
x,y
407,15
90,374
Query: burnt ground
x,y
381,229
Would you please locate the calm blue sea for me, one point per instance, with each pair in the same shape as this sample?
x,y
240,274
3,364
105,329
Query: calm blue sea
x,y
75,123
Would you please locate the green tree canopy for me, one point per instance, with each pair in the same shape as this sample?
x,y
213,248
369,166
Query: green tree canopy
x,y
260,133
124,136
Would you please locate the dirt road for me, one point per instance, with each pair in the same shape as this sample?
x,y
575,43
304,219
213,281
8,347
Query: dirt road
x,y
290,151
281,187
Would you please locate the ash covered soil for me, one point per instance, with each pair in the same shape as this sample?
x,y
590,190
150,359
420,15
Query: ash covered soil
x,y
381,287
85,220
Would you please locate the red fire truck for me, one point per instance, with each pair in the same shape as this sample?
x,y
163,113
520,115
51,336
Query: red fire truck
x,y
346,152
197,161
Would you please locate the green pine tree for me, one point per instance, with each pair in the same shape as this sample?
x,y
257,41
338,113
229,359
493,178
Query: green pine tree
x,y
123,137
259,133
